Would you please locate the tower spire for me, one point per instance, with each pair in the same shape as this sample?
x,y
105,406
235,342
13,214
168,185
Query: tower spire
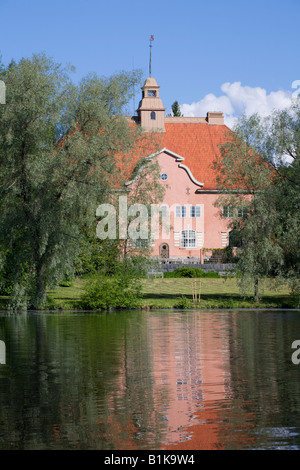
x,y
151,40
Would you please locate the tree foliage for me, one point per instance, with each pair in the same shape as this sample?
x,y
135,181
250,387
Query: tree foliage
x,y
116,292
176,109
259,168
58,143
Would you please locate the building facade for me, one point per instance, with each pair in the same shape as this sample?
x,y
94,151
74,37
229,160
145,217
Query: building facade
x,y
189,147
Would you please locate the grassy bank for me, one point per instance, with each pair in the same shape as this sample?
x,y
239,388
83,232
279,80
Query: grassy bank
x,y
170,293
214,293
64,298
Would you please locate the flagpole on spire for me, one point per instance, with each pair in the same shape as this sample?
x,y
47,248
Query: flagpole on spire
x,y
151,39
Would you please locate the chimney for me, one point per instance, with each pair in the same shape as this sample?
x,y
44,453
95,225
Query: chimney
x,y
215,117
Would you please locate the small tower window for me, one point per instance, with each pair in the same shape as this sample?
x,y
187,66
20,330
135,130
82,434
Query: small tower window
x,y
153,115
151,92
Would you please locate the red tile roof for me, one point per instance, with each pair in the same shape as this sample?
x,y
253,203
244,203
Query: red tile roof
x,y
198,144
145,144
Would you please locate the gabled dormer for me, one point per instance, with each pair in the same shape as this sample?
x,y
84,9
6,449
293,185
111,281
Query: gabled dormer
x,y
151,112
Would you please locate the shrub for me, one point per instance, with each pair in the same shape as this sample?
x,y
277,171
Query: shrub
x,y
191,272
211,275
116,292
184,272
50,303
183,302
66,283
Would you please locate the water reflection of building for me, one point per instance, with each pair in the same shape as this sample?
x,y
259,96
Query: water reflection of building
x,y
174,381
194,367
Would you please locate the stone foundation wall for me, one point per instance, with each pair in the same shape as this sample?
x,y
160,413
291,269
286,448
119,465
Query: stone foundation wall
x,y
169,265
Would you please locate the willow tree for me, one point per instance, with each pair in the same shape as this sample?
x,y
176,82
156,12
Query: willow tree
x,y
246,181
58,143
284,143
259,168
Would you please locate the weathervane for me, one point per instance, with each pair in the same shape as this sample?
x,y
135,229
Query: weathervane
x,y
151,40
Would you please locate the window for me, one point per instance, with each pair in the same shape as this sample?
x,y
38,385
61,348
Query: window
x,y
227,212
188,239
235,238
242,212
164,176
151,92
164,211
153,115
140,243
180,211
195,211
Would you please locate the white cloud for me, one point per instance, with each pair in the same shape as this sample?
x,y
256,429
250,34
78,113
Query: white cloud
x,y
238,99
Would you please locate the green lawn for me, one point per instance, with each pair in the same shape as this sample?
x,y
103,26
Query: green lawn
x,y
214,293
164,293
66,297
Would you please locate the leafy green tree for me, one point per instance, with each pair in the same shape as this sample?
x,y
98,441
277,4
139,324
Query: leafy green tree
x,y
269,188
95,255
176,109
285,139
245,179
58,144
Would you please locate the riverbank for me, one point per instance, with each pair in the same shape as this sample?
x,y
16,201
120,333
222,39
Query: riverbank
x,y
179,293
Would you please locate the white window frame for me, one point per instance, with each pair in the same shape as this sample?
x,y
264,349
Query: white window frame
x,y
195,212
188,239
164,211
242,212
180,211
227,212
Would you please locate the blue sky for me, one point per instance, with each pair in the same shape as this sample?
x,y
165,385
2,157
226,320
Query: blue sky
x,y
251,47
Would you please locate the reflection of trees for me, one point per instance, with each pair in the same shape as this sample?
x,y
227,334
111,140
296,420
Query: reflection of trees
x,y
72,380
266,385
141,395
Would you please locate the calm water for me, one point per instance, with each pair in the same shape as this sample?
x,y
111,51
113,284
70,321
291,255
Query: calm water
x,y
158,380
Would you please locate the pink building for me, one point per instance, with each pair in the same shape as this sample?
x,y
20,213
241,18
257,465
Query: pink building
x,y
188,148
